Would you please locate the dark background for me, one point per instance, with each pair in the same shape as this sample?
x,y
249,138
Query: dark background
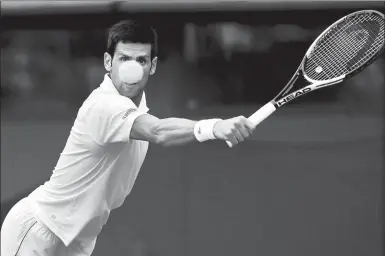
x,y
309,182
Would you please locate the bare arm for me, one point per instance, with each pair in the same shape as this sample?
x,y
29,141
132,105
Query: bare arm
x,y
180,131
166,132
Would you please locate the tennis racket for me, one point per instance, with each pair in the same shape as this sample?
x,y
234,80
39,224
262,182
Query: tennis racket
x,y
343,50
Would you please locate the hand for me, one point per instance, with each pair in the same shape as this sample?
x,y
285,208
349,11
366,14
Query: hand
x,y
235,130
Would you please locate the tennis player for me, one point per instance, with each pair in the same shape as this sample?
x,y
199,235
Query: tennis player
x,y
104,152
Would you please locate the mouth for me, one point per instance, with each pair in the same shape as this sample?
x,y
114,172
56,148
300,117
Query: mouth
x,y
127,84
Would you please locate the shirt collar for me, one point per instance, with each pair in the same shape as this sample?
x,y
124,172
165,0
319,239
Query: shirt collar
x,y
109,86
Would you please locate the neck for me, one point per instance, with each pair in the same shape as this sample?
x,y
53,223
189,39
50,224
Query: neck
x,y
137,99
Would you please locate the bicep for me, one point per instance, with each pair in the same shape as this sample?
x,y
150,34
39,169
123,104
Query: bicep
x,y
144,128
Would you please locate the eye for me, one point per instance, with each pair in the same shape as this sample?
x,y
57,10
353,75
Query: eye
x,y
124,58
142,61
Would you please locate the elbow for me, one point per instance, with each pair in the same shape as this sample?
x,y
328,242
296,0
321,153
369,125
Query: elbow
x,y
162,141
159,138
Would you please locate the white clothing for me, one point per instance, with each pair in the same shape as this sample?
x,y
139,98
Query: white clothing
x,y
97,168
23,234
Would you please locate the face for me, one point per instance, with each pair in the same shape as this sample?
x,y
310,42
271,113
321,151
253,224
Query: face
x,y
138,52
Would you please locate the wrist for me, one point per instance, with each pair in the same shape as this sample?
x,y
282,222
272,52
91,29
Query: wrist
x,y
204,129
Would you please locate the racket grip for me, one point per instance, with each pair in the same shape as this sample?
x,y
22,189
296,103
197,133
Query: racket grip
x,y
260,115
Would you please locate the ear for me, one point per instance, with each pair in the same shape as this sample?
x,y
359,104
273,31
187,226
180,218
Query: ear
x,y
107,62
153,65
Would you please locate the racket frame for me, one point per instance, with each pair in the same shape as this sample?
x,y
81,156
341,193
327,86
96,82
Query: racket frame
x,y
358,70
282,98
316,84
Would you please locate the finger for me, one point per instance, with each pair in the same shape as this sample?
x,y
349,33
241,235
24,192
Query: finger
x,y
229,144
244,131
238,135
250,125
233,139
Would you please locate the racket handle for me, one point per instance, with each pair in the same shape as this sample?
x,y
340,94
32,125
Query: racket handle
x,y
260,115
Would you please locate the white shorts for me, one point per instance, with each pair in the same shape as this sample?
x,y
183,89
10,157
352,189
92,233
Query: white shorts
x,y
22,234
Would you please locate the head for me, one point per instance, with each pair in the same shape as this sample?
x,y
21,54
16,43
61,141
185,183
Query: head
x,y
130,40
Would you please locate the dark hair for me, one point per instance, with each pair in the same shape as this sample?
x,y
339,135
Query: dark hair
x,y
134,32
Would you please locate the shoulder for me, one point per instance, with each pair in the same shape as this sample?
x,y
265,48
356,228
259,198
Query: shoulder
x,y
100,104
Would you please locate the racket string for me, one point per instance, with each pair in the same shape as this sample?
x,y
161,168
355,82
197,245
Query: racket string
x,y
325,44
345,50
372,50
341,47
353,51
326,58
346,46
360,19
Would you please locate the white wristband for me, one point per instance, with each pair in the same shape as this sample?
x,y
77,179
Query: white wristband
x,y
203,129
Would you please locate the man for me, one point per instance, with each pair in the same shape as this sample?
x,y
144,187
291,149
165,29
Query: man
x,y
103,155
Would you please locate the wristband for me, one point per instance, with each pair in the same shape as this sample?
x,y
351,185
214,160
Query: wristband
x,y
203,129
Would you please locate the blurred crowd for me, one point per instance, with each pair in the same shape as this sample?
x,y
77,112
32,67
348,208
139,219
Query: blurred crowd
x,y
216,62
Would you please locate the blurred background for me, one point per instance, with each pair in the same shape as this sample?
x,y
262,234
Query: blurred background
x,y
310,180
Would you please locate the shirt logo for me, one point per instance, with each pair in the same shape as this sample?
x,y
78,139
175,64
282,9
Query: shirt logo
x,y
129,111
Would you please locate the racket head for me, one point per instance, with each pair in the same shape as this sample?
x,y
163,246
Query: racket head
x,y
345,48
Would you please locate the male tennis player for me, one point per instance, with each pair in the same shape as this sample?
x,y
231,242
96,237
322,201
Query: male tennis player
x,y
103,155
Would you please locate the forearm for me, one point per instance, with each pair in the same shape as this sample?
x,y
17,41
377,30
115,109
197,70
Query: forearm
x,y
171,131
174,131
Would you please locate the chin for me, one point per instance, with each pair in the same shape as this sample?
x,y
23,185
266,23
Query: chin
x,y
130,94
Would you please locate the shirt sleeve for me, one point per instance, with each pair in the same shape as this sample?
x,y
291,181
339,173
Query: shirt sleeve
x,y
113,122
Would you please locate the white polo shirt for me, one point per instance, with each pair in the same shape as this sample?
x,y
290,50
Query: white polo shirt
x,y
97,168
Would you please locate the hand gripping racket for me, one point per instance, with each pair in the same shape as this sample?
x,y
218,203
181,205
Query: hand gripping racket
x,y
343,50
